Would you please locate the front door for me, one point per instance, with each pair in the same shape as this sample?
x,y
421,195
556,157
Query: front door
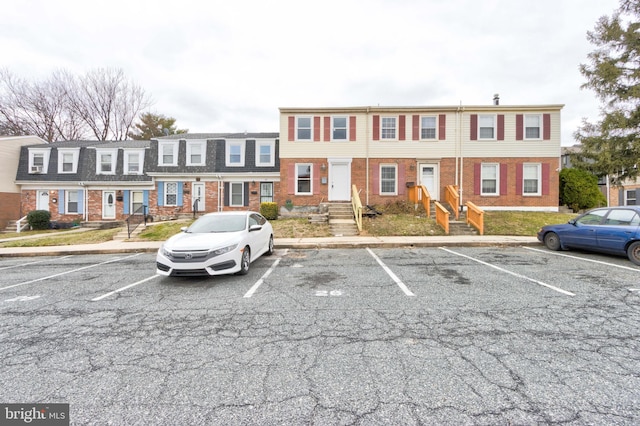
x,y
42,200
429,179
339,180
108,204
198,197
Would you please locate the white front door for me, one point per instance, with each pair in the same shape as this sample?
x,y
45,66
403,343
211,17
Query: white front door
x,y
198,197
429,179
108,204
340,180
42,200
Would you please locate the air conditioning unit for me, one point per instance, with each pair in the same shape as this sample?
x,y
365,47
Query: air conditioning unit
x,y
36,169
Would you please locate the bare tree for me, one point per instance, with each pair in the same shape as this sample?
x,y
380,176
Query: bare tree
x,y
102,103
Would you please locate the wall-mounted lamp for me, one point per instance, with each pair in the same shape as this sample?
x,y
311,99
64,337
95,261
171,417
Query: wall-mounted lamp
x,y
412,167
253,183
323,167
54,200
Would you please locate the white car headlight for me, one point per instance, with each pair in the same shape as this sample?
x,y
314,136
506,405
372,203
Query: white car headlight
x,y
223,250
165,252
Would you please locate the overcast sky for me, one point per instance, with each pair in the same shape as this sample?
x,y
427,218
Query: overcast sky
x,y
227,66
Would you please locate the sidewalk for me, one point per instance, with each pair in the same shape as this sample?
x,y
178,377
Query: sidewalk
x,y
281,243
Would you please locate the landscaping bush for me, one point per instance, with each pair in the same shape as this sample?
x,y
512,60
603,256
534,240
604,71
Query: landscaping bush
x,y
269,210
39,219
579,190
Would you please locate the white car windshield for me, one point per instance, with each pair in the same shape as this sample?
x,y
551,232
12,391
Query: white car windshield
x,y
218,223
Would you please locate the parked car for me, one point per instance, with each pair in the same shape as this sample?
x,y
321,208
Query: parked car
x,y
216,244
613,230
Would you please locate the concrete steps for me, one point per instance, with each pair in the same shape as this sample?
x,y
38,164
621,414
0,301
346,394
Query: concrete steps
x,y
456,227
341,220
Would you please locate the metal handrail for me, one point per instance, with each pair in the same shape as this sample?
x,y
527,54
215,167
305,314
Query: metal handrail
x,y
136,218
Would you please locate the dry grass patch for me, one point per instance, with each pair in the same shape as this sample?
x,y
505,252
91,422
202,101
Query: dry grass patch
x,y
521,222
62,238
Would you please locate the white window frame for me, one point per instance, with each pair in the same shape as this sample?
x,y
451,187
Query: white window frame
x,y
127,161
524,125
494,126
344,128
234,144
538,178
45,153
114,157
75,153
423,127
203,152
233,185
272,153
67,200
627,199
164,145
496,167
167,193
310,165
299,128
386,128
395,179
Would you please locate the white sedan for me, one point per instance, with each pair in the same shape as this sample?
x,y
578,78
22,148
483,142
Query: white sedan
x,y
216,244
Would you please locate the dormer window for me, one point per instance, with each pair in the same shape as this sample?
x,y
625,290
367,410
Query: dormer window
x,y
106,161
235,153
168,153
38,160
68,160
133,161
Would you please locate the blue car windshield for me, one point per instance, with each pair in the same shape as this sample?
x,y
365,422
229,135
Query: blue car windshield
x,y
218,223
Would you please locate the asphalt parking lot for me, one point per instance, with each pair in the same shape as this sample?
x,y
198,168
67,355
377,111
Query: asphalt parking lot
x,y
462,335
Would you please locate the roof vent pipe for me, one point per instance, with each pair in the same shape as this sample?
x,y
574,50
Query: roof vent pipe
x,y
496,99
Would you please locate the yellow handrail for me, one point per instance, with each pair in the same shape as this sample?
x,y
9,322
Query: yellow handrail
x,y
442,217
419,194
356,204
452,197
475,217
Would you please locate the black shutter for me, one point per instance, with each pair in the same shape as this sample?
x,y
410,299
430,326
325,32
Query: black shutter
x,y
226,193
246,194
621,197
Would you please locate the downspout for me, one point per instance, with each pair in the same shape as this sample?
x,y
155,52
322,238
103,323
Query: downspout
x,y
220,187
366,172
460,142
85,201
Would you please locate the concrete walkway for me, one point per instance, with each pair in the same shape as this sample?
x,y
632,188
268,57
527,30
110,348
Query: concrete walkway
x,y
280,243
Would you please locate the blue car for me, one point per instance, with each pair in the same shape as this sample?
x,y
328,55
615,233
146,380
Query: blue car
x,y
612,230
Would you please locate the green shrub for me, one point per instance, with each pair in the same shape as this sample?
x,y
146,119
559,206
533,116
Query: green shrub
x,y
579,190
39,219
269,210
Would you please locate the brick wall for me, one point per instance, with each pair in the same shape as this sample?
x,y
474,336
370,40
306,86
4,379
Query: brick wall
x,y
9,208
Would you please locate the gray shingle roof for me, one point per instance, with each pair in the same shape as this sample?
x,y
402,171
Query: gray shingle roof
x,y
241,135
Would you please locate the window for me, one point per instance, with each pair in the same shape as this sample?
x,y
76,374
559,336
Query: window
x,y
594,217
388,179
237,194
235,153
68,160
304,128
167,153
170,193
132,162
71,201
531,179
630,197
339,128
106,164
532,124
195,153
137,202
38,160
622,218
490,178
388,128
428,127
487,126
303,179
265,153
266,192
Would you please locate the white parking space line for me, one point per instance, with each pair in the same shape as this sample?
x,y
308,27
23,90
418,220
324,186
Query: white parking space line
x,y
33,263
553,253
95,299
69,272
393,276
515,274
262,278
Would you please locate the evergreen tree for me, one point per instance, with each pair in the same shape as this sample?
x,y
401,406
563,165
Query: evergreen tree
x,y
611,146
155,125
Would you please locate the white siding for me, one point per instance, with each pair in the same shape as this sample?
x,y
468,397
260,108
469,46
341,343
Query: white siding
x,y
9,159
